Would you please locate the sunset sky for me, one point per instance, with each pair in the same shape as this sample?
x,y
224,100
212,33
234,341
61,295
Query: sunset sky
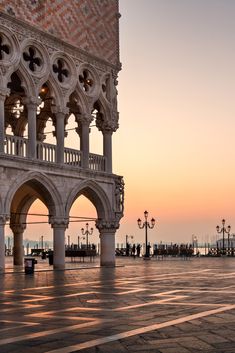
x,y
175,146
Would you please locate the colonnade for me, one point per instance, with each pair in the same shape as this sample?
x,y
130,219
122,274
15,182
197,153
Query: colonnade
x,y
107,243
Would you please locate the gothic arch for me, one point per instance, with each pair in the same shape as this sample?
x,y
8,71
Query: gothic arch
x,y
95,194
83,101
26,81
56,92
27,188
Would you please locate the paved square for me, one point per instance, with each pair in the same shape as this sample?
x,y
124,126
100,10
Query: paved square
x,y
170,306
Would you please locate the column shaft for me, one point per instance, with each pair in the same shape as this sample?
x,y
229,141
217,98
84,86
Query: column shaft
x,y
85,144
107,147
107,247
2,123
60,137
32,130
2,245
18,248
59,247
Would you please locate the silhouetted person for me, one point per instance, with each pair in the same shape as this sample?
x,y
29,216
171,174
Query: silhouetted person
x,y
148,250
138,250
127,249
133,250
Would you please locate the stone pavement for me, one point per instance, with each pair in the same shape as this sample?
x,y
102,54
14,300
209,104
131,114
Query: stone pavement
x,y
170,306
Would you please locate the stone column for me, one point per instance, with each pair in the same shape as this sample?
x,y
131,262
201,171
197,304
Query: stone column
x,y
107,148
3,94
32,104
107,242
3,219
18,248
59,226
84,132
60,114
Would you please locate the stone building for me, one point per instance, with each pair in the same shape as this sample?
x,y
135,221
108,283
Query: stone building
x,y
58,59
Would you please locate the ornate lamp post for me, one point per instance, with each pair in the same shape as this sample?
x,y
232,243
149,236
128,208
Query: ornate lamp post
x,y
146,225
82,238
223,230
86,233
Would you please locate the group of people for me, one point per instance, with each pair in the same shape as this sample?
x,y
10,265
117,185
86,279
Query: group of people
x,y
133,250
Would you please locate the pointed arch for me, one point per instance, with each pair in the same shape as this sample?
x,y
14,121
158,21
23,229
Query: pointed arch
x,y
55,91
95,194
77,98
27,188
26,81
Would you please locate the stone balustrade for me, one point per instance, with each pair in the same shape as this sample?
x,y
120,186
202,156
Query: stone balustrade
x,y
17,146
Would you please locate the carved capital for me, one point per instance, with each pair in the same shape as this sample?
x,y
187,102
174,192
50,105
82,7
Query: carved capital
x,y
107,226
59,110
59,222
3,219
31,102
4,92
18,228
108,126
85,119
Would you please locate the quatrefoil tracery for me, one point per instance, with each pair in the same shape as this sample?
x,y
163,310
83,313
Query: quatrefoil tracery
x,y
59,69
32,58
86,80
4,48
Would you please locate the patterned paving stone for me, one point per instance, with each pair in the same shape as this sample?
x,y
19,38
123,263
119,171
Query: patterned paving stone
x,y
168,306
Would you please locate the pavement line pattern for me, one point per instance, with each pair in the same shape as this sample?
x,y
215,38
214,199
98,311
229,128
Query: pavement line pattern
x,y
103,340
48,332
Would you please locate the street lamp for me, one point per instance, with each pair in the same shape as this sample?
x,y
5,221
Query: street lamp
x,y
223,230
82,238
86,233
194,242
146,225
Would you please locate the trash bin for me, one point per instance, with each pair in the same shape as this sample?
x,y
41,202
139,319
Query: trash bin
x,y
44,255
50,257
29,263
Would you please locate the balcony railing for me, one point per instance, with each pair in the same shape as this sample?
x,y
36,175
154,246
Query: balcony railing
x,y
72,157
96,162
17,146
46,152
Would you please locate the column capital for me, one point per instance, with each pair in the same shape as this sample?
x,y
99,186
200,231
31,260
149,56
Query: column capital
x,y
59,110
109,125
4,218
18,228
4,92
107,226
32,102
85,119
56,222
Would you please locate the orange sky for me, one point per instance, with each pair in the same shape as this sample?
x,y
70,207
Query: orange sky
x,y
175,145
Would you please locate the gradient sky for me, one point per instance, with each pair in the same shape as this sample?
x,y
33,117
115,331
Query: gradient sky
x,y
175,146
